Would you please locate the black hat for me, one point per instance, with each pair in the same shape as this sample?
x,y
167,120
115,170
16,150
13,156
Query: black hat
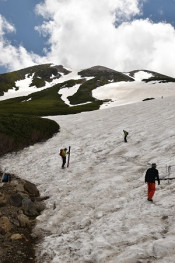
x,y
154,165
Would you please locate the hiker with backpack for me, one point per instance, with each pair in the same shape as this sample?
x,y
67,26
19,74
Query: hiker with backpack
x,y
63,153
125,135
151,176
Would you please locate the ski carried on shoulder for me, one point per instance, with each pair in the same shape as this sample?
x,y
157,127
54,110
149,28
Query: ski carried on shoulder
x,y
68,161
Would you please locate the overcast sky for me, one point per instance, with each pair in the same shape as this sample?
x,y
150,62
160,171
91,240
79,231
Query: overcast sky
x,y
121,34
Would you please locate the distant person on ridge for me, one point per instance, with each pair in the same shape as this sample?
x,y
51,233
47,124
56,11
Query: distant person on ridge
x,y
125,135
63,153
151,176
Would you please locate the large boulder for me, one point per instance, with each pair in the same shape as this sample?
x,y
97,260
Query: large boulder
x,y
31,189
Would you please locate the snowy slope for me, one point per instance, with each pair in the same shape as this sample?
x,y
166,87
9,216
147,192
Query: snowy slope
x,y
102,213
122,93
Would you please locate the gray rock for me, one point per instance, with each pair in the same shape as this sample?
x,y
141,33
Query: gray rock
x,y
16,200
39,206
19,188
24,220
29,208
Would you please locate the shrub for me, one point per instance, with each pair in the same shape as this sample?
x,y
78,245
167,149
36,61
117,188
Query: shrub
x,y
17,131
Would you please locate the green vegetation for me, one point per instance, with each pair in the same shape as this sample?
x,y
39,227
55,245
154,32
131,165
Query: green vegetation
x,y
84,93
105,73
17,132
49,102
160,79
19,126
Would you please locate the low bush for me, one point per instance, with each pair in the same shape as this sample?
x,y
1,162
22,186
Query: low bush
x,y
17,131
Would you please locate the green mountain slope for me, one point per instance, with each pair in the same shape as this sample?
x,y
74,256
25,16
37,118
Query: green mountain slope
x,y
41,74
49,102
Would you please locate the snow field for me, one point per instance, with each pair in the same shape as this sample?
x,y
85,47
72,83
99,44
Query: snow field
x,y
98,209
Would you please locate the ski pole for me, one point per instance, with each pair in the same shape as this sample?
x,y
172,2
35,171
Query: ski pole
x,y
167,178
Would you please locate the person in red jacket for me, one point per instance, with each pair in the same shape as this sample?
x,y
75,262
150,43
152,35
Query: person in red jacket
x,y
151,176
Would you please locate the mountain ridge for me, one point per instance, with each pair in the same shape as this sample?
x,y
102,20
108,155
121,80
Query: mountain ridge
x,y
37,90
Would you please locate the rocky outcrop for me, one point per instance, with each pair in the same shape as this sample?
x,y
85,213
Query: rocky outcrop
x,y
20,204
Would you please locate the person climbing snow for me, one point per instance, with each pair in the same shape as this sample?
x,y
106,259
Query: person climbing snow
x,y
125,135
63,153
151,176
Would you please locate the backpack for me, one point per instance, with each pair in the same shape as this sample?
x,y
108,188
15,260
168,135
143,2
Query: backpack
x,y
6,178
61,152
125,132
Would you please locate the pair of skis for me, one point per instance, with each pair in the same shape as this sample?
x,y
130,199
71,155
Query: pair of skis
x,y
68,160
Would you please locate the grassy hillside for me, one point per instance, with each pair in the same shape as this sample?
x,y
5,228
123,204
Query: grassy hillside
x,y
105,73
49,102
17,132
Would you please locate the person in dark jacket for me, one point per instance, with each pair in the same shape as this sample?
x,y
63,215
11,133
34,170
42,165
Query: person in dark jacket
x,y
151,176
125,135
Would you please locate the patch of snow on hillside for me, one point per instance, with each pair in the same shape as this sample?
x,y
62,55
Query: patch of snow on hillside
x,y
66,92
139,76
27,100
122,93
22,89
98,209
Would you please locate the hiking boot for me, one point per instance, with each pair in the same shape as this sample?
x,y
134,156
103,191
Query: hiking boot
x,y
151,200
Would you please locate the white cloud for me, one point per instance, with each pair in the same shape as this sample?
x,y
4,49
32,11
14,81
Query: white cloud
x,y
82,34
5,27
12,57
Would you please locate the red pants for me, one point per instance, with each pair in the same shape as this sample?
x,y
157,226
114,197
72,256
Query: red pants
x,y
151,190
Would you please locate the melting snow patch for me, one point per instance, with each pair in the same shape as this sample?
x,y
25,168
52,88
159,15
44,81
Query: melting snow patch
x,y
27,100
139,76
66,92
23,88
